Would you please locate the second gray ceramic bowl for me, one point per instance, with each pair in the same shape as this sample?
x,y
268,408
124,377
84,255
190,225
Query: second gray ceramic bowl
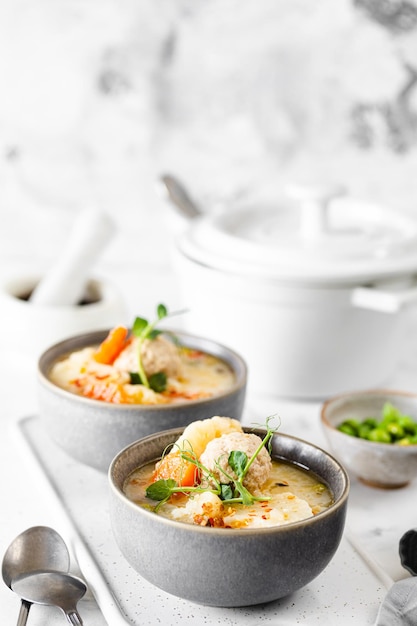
x,y
94,431
227,567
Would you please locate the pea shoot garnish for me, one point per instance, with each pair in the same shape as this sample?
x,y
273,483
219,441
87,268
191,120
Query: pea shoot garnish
x,y
232,491
143,329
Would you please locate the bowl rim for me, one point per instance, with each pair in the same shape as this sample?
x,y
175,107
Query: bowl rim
x,y
236,532
230,356
383,391
15,286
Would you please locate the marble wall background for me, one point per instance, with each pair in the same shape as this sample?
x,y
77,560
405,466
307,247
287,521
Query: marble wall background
x,y
98,97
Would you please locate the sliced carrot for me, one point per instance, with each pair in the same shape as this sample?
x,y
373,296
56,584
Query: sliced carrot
x,y
112,345
173,466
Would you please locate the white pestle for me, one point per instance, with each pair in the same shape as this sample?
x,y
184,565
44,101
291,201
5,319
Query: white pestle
x,y
64,284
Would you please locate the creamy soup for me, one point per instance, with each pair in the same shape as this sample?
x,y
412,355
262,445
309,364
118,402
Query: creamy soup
x,y
294,494
189,374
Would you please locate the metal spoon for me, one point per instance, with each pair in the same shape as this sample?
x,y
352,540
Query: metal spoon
x,y
408,551
54,589
179,197
399,605
37,548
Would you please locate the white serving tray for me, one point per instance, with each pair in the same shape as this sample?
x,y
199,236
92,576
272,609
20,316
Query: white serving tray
x,y
348,591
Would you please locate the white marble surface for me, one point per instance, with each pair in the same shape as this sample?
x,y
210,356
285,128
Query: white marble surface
x,y
99,97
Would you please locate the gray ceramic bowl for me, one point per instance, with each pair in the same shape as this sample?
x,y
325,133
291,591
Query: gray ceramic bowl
x,y
225,567
93,431
382,465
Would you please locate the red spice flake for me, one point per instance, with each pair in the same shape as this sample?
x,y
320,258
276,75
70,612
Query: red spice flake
x,y
216,522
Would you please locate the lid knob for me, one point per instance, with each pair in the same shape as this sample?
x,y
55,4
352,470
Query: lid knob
x,y
313,201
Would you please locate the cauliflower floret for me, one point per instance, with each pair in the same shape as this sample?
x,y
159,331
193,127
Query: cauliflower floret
x,y
204,509
217,454
285,509
197,434
158,355
127,360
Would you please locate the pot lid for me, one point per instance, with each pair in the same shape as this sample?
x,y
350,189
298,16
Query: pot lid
x,y
315,234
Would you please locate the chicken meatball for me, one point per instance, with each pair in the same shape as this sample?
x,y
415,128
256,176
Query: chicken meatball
x,y
158,355
215,458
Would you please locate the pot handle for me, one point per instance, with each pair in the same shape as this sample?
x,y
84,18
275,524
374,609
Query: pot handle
x,y
384,301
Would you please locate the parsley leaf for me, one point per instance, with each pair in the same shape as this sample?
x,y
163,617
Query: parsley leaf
x,y
134,378
142,329
237,461
158,382
161,489
226,492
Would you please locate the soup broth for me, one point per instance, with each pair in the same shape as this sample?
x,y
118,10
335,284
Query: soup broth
x,y
200,375
292,493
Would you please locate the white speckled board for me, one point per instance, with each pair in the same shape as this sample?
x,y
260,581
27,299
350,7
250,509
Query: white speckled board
x,y
349,590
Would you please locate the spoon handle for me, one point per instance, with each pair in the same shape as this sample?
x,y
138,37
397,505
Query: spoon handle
x,y
23,613
179,197
74,617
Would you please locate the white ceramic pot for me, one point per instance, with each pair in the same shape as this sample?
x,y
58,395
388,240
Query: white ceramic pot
x,y
314,294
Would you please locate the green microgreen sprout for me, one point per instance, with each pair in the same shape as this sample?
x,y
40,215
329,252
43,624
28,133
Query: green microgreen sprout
x,y
143,329
232,492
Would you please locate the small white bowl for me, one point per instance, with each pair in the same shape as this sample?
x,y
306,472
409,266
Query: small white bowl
x,y
383,465
29,329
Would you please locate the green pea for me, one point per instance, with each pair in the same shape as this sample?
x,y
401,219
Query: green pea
x,y
379,435
405,441
410,440
371,422
364,430
408,424
395,430
392,427
390,412
348,428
